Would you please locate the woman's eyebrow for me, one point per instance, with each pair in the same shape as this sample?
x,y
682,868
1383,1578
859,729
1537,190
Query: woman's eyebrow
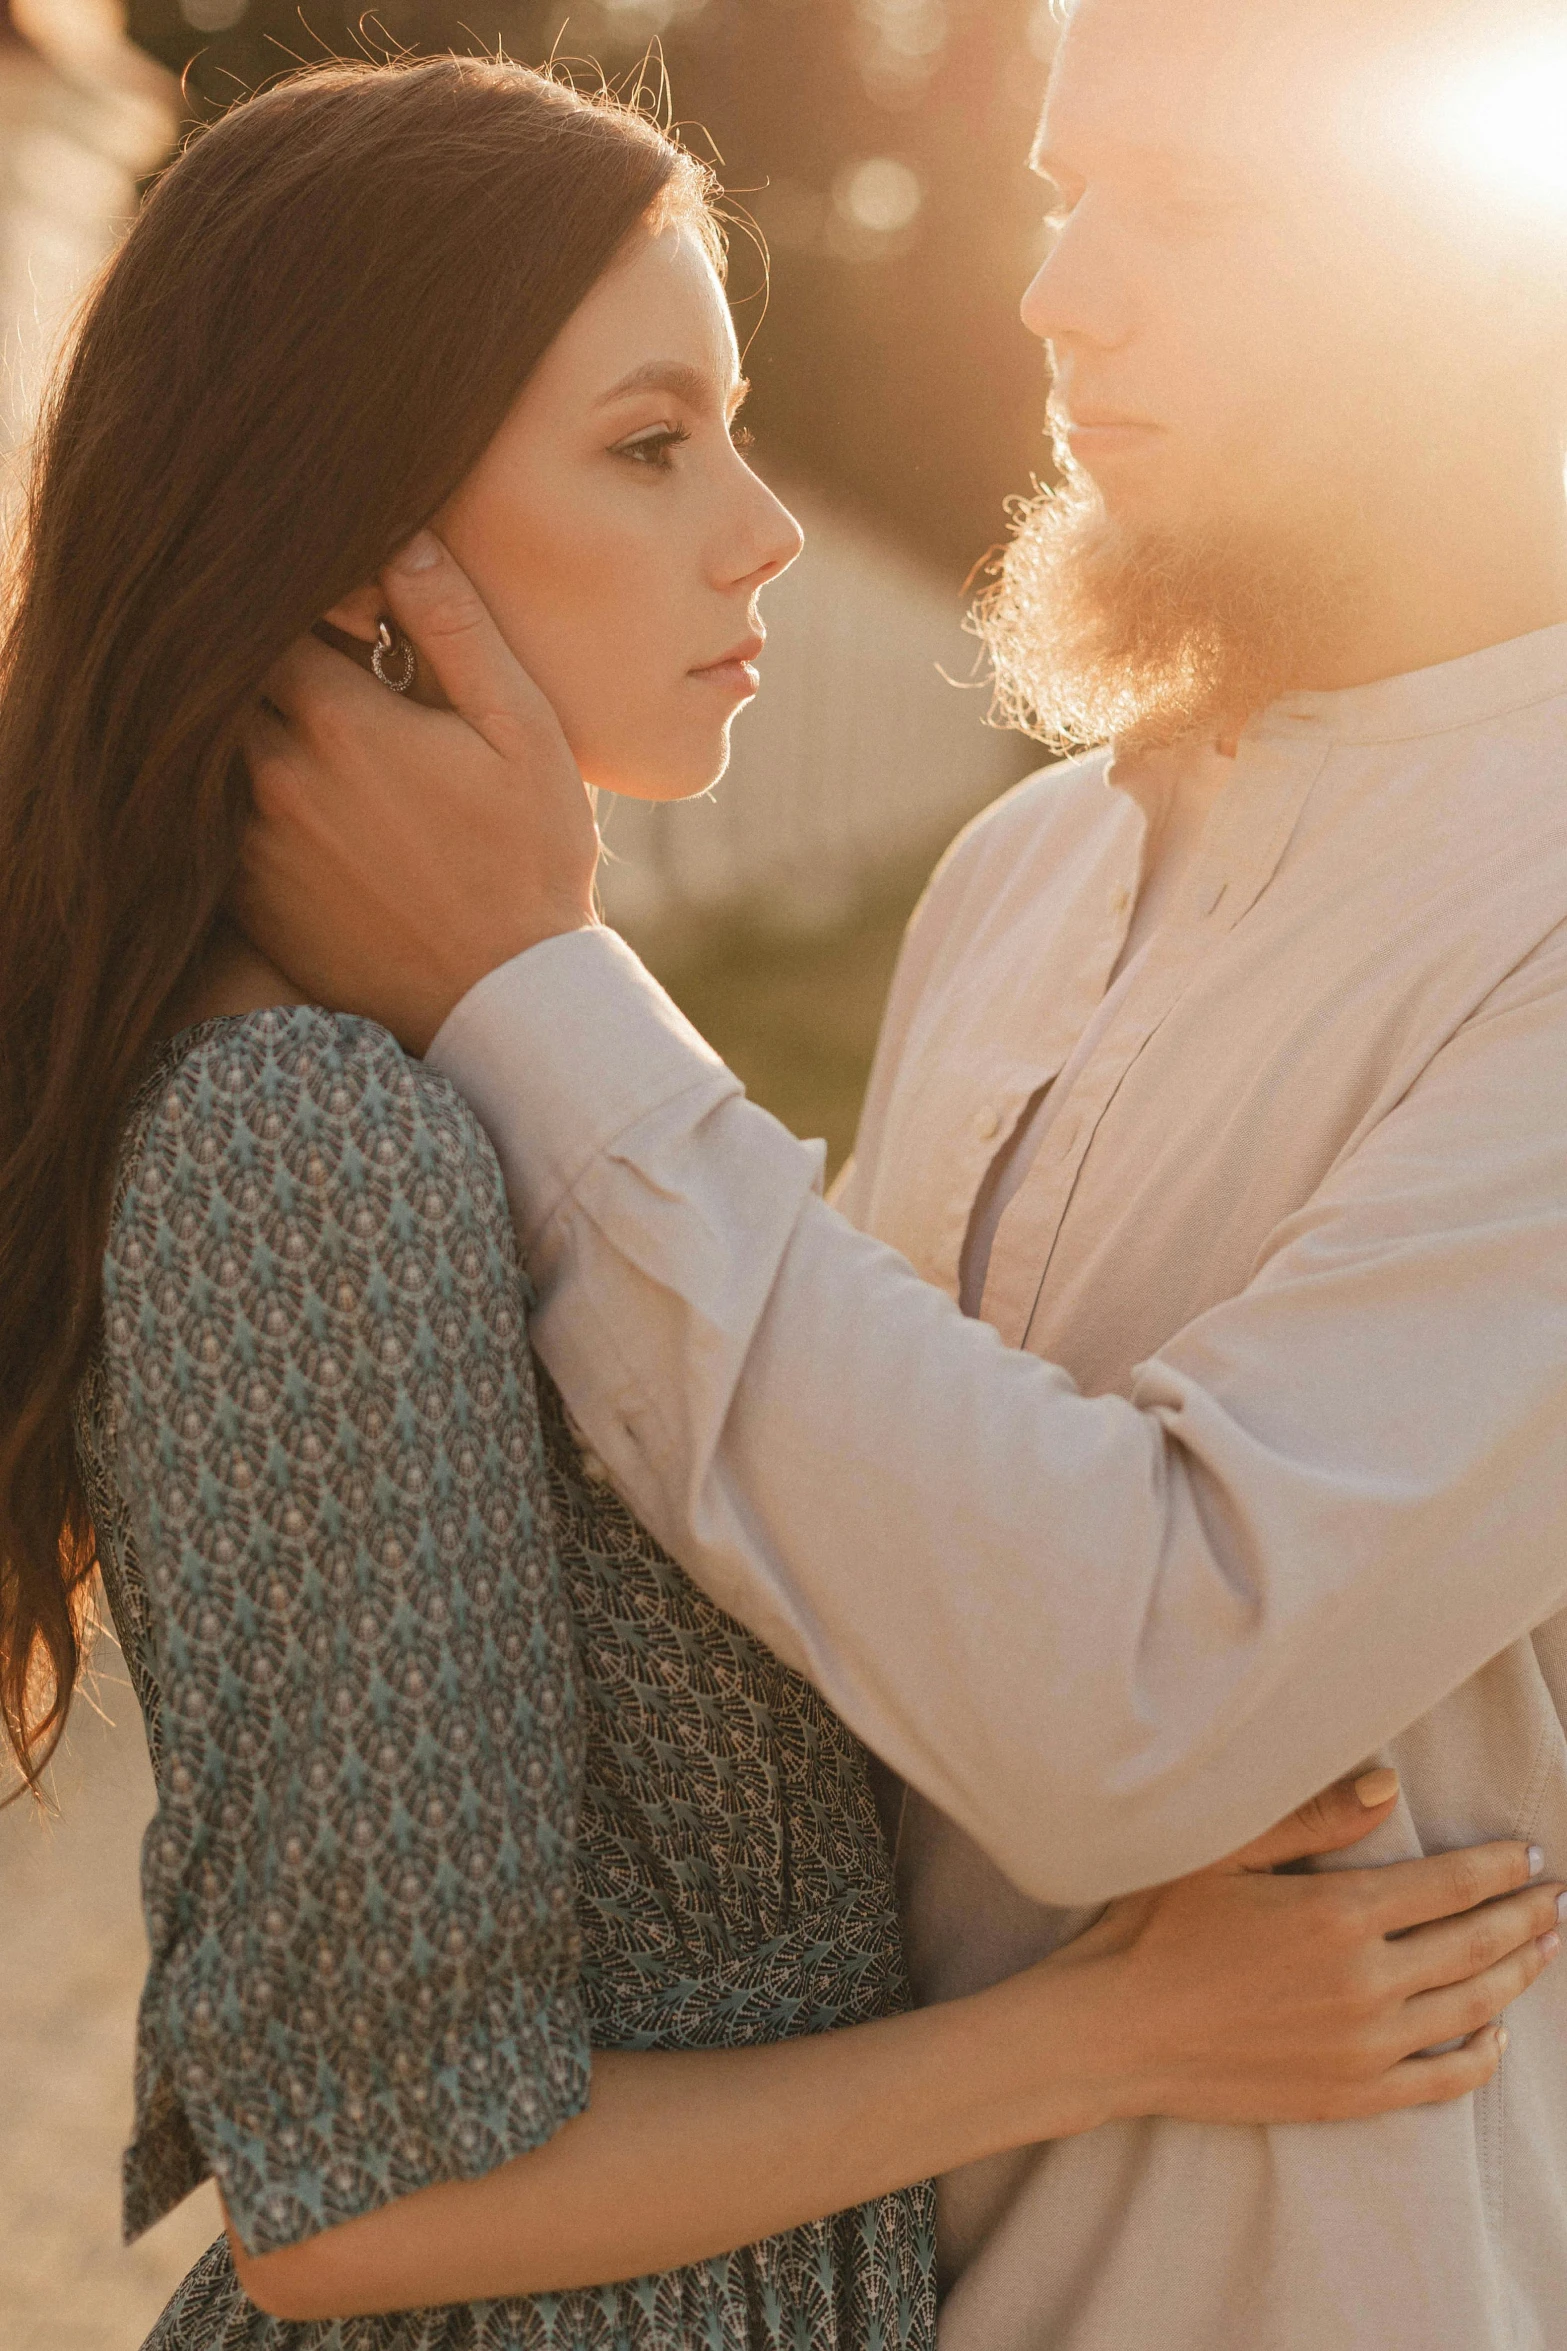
x,y
675,376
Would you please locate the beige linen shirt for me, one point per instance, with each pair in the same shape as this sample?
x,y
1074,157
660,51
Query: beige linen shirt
x,y
1255,1468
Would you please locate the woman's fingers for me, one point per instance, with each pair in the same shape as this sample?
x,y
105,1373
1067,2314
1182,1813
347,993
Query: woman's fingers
x,y
1457,1949
1434,2017
1414,2081
1412,1893
1314,1998
1433,2081
1340,1816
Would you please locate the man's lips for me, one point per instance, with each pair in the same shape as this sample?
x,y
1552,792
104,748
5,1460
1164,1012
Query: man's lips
x,y
1103,436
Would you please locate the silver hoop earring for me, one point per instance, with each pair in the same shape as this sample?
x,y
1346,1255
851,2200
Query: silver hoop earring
x,y
391,641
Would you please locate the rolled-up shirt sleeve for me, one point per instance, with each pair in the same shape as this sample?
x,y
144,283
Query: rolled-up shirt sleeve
x,y
1112,1637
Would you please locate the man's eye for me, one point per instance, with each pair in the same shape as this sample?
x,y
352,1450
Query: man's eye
x,y
1060,203
653,450
1198,208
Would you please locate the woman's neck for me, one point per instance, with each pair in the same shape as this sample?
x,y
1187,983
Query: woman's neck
x,y
231,977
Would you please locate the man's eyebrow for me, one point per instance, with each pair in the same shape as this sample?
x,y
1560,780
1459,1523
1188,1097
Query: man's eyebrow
x,y
1151,162
677,377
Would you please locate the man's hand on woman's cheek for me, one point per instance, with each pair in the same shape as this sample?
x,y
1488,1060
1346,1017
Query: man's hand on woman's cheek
x,y
397,854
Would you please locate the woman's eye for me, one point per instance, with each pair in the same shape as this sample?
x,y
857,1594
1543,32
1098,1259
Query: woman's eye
x,y
652,450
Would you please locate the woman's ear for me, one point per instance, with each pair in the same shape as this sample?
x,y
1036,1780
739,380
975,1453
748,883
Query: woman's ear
x,y
351,628
359,614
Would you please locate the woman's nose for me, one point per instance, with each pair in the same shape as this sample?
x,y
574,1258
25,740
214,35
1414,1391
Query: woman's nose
x,y
781,535
773,539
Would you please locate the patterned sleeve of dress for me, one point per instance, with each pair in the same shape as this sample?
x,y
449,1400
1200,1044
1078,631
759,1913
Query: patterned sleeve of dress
x,y
364,1950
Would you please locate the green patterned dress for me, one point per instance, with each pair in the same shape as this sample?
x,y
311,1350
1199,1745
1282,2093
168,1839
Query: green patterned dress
x,y
458,1776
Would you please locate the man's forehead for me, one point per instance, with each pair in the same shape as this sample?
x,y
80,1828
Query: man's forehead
x,y
1264,85
1195,77
1276,25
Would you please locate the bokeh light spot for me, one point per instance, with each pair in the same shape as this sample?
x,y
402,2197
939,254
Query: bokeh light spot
x,y
648,19
880,194
212,16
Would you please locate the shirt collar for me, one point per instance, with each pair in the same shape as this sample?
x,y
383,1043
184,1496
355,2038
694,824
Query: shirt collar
x,y
1455,694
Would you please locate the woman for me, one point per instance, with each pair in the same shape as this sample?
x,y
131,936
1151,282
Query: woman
x,y
468,1804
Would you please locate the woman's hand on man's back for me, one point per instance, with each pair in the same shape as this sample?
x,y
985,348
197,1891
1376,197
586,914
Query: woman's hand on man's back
x,y
1254,1997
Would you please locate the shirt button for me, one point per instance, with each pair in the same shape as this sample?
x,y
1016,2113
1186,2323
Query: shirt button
x,y
988,1125
1120,898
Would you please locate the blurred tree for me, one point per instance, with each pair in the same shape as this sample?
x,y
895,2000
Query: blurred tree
x,y
881,146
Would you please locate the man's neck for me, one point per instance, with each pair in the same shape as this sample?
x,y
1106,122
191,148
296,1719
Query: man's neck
x,y
1477,568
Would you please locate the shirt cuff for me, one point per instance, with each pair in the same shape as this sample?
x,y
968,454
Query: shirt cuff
x,y
562,1050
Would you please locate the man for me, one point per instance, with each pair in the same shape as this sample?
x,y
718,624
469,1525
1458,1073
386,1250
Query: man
x,y
1224,1085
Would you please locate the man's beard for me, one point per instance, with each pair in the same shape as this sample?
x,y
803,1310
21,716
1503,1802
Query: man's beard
x,y
1100,631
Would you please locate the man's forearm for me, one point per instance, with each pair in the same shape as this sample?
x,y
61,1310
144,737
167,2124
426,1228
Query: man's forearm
x,y
958,1550
1112,1638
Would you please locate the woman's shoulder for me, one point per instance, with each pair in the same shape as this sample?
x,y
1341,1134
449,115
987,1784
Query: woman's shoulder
x,y
296,1095
286,1153
294,1057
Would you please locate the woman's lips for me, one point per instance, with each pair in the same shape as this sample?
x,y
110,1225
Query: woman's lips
x,y
736,673
736,677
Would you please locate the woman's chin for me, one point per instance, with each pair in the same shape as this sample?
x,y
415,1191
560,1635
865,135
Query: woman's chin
x,y
682,776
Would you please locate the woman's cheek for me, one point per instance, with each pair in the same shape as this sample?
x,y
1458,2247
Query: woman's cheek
x,y
591,613
556,635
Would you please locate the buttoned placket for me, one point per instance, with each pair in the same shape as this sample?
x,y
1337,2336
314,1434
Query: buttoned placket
x,y
1246,837
1027,1046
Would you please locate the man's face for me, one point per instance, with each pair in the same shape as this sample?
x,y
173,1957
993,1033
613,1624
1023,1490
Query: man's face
x,y
1263,303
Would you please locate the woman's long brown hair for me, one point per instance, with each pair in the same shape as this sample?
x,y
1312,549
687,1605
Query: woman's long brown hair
x,y
321,316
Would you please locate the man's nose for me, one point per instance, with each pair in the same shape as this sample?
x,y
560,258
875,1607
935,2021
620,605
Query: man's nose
x,y
1036,303
1080,292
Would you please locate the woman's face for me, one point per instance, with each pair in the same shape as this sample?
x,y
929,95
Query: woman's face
x,y
617,534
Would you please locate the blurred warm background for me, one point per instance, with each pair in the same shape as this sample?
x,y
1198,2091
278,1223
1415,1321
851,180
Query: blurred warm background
x,y
880,148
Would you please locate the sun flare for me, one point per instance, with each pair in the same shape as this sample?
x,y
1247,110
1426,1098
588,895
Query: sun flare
x,y
1504,124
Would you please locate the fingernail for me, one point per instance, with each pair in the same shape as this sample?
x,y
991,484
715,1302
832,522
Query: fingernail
x,y
1376,1787
421,553
1561,1905
1503,2036
1550,1944
1536,1861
